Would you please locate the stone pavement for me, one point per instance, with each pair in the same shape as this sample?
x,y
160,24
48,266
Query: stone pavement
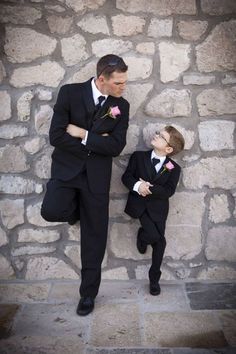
x,y
187,318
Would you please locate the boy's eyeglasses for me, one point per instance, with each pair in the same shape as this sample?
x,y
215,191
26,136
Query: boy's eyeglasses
x,y
163,138
113,62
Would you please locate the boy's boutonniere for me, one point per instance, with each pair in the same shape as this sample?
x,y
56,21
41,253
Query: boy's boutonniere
x,y
168,167
112,112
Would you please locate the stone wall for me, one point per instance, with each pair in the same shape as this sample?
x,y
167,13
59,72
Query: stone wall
x,y
182,61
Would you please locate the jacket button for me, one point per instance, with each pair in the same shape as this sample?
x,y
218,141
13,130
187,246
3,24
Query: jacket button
x,y
89,152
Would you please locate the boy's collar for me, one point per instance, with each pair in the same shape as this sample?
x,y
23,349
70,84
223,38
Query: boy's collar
x,y
161,158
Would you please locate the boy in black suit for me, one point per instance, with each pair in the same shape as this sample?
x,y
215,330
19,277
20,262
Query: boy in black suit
x,y
152,177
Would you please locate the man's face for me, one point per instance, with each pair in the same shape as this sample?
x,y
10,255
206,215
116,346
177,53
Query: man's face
x,y
115,84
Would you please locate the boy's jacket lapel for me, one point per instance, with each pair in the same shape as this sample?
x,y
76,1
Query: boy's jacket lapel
x,y
151,171
160,172
149,166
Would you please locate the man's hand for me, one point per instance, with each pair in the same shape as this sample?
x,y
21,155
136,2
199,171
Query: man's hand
x,y
144,188
75,131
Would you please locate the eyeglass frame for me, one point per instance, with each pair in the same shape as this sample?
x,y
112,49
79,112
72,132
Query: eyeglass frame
x,y
161,136
111,63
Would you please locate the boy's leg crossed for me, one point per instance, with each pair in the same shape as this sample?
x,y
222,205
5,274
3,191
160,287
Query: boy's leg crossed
x,y
149,233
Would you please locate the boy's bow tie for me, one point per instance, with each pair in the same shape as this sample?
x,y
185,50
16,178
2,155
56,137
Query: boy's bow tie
x,y
155,161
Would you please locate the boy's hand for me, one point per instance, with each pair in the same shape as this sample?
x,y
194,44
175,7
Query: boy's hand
x,y
144,188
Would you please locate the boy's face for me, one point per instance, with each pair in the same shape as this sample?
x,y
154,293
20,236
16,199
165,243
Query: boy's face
x,y
114,85
160,143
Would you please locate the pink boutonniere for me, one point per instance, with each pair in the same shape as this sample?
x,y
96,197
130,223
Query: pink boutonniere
x,y
168,167
112,112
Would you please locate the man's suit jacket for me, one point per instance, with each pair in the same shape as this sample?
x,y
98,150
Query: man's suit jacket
x,y
164,185
75,105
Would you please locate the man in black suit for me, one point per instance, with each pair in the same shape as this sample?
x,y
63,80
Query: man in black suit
x,y
88,129
152,177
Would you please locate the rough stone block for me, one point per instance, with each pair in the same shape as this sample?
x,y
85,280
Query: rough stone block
x,y
216,135
48,74
192,30
19,185
136,90
139,68
94,24
43,119
23,45
213,102
19,15
158,7
48,268
215,172
127,25
5,102
221,244
13,158
12,212
11,131
217,50
198,79
170,103
183,329
123,241
219,296
219,208
39,236
160,28
23,106
218,7
74,49
110,45
6,270
174,60
119,331
3,237
59,24
28,293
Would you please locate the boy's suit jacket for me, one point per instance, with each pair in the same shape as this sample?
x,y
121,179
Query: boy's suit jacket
x,y
164,185
75,105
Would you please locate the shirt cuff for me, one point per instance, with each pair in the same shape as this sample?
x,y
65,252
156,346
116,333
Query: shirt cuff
x,y
84,141
136,186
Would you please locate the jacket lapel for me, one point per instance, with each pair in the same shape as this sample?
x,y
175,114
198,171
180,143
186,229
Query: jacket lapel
x,y
159,173
97,119
89,102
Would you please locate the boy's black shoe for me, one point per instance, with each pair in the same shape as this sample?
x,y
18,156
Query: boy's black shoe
x,y
86,305
155,289
141,246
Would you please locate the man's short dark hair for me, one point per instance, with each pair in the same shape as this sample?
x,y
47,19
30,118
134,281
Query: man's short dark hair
x,y
110,63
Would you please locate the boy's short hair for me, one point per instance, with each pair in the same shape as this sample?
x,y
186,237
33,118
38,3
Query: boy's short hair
x,y
176,140
110,63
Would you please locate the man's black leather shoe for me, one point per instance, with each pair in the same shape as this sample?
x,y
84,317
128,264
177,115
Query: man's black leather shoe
x,y
155,289
141,246
86,305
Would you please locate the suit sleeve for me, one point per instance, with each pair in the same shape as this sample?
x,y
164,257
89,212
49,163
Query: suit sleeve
x,y
128,177
113,144
168,189
61,118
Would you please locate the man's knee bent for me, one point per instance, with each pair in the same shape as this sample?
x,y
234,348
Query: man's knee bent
x,y
49,214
